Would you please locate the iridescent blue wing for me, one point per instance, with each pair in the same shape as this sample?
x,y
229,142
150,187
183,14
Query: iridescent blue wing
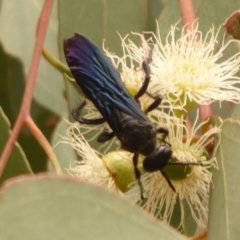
x,y
100,81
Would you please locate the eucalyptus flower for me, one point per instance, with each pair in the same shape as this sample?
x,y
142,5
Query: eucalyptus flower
x,y
186,70
192,183
91,167
113,170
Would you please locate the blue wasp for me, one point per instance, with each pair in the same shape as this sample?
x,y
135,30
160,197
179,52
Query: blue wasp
x,y
101,83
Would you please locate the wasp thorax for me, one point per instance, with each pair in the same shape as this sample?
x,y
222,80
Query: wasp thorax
x,y
139,137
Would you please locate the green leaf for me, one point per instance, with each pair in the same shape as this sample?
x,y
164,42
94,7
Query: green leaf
x,y
56,208
17,163
18,35
214,13
190,224
50,87
236,112
205,12
12,83
64,152
224,215
100,20
155,8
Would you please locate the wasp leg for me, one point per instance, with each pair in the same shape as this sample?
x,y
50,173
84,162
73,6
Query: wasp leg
x,y
157,101
76,116
137,174
105,136
147,71
164,132
144,87
168,180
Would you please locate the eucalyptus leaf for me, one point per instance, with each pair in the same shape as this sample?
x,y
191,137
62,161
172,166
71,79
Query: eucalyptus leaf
x,y
205,12
18,36
57,208
236,112
100,20
17,163
224,215
64,152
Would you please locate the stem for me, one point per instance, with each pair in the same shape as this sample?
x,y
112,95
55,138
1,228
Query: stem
x,y
44,143
205,111
189,21
56,63
188,14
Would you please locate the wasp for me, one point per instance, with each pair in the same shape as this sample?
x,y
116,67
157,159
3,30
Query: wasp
x,y
101,84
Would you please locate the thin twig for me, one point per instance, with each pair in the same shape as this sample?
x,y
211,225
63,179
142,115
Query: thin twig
x,y
188,14
44,143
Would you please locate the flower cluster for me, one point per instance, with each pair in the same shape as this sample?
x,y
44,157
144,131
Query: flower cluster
x,y
187,72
